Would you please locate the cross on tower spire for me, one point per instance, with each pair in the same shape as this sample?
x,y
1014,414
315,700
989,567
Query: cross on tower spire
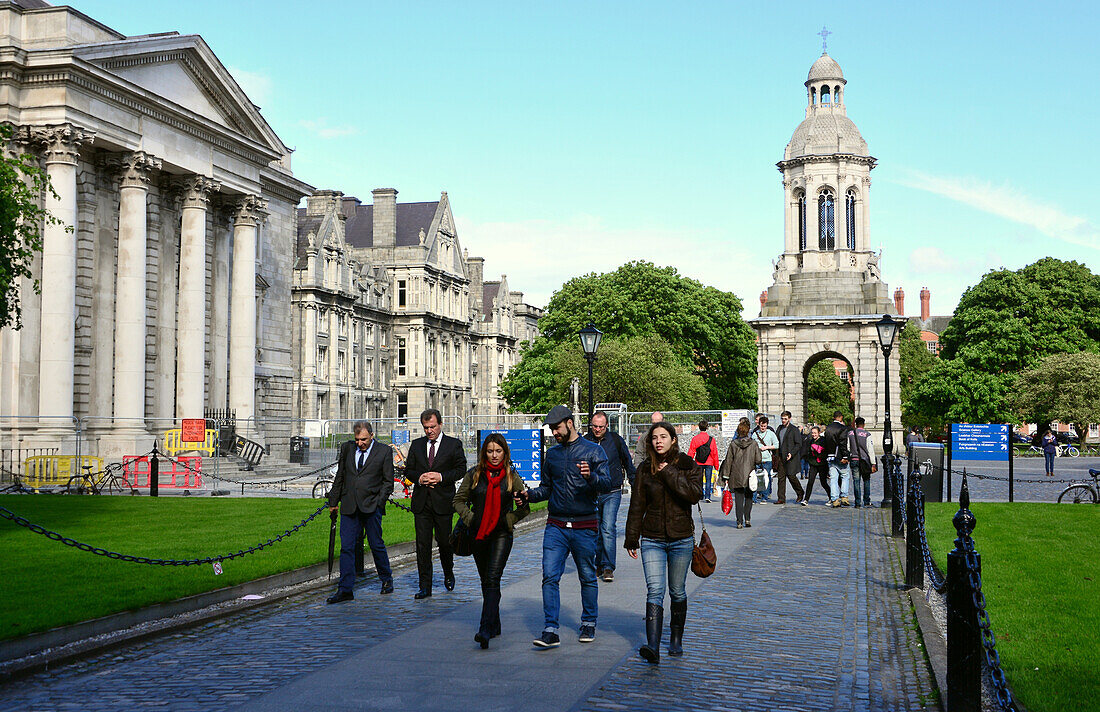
x,y
824,34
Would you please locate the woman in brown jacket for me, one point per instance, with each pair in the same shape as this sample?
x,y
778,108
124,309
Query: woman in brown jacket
x,y
489,502
742,457
667,483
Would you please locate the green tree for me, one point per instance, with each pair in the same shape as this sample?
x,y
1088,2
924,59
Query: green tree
x,y
826,393
22,184
916,362
953,392
1063,387
702,325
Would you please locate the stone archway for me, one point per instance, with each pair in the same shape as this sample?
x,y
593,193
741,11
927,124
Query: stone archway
x,y
831,357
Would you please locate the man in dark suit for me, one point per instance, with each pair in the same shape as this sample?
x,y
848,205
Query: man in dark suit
x,y
364,481
788,463
434,464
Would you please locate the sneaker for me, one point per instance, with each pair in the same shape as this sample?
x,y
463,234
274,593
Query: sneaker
x,y
740,525
707,500
588,633
804,503
844,502
747,525
608,575
548,639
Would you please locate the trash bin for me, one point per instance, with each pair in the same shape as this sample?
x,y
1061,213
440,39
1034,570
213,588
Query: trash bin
x,y
299,450
932,482
227,433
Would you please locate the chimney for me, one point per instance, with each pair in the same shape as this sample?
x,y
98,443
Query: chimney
x,y
899,301
385,217
322,201
763,298
925,304
475,270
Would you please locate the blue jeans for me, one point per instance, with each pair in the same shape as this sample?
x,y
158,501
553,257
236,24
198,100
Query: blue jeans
x,y
557,544
609,513
839,476
763,496
862,498
708,481
351,527
659,557
1049,457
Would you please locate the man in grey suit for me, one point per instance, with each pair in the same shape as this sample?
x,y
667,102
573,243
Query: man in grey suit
x,y
364,481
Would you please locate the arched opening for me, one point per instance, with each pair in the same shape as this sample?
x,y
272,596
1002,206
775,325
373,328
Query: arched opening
x,y
836,94
813,95
800,217
828,383
850,218
825,98
826,220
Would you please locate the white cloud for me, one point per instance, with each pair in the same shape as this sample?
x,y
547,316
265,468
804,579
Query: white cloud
x,y
321,128
256,85
933,260
1010,203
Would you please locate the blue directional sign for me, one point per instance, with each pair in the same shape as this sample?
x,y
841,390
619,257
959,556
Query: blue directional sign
x,y
979,441
400,437
525,447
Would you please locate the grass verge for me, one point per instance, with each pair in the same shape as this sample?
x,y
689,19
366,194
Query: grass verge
x,y
1040,574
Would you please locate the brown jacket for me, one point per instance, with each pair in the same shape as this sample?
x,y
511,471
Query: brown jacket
x,y
742,457
660,505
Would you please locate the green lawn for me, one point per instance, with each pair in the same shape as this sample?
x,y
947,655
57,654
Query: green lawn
x,y
47,584
1040,574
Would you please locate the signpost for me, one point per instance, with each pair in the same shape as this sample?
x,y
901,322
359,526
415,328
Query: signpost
x,y
193,430
730,419
983,441
400,437
525,448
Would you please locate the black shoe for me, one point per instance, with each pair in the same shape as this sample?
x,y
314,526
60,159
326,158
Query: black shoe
x,y
340,596
422,594
482,639
449,582
387,587
547,640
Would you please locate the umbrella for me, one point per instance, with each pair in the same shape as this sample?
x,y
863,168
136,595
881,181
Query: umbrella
x,y
331,542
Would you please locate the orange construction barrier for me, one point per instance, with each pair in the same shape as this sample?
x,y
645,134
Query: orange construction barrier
x,y
185,472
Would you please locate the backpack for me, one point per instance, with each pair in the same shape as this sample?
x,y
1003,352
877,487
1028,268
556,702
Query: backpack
x,y
702,453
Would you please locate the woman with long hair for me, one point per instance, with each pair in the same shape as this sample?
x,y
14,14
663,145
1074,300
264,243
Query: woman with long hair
x,y
660,525
490,502
742,457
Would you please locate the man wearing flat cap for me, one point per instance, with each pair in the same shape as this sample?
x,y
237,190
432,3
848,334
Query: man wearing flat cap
x,y
574,474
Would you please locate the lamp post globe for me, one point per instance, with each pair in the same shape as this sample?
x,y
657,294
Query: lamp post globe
x,y
590,343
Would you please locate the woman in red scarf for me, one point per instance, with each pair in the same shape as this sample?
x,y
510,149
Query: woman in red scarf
x,y
488,501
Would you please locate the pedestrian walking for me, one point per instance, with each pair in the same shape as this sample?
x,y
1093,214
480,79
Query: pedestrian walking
x,y
768,443
659,524
742,457
364,481
1050,450
574,474
435,464
836,452
787,461
813,454
703,448
862,448
620,466
490,501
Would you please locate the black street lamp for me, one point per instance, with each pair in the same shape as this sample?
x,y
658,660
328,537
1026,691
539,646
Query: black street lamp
x,y
590,343
887,328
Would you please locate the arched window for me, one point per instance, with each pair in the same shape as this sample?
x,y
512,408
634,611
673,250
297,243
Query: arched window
x,y
836,94
826,220
825,94
813,95
800,197
850,218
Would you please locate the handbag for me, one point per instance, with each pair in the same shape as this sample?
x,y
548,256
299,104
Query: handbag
x,y
758,480
727,502
461,539
703,556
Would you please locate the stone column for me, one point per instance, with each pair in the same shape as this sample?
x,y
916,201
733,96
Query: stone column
x,y
191,309
219,318
250,211
57,348
129,392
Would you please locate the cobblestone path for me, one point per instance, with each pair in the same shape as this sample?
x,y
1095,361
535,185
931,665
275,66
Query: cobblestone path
x,y
804,612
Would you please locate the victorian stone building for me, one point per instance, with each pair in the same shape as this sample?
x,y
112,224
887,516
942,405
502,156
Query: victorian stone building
x,y
827,292
166,287
392,317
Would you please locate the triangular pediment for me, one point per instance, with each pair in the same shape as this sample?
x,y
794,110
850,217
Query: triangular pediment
x,y
184,71
444,248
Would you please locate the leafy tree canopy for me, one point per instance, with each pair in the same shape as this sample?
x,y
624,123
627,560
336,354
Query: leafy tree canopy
x,y
953,392
22,183
1063,387
702,326
826,393
915,360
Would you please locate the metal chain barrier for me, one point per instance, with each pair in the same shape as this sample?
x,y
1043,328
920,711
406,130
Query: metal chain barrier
x,y
897,479
98,551
935,576
979,476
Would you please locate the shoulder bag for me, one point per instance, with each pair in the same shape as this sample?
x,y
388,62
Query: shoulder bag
x,y
462,539
703,556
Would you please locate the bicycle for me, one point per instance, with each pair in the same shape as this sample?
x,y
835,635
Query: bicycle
x,y
1059,450
1082,492
108,482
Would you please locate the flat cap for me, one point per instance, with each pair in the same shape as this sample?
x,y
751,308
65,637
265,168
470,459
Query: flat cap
x,y
557,414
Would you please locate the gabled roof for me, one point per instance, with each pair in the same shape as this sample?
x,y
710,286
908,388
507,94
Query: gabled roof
x,y
359,228
935,324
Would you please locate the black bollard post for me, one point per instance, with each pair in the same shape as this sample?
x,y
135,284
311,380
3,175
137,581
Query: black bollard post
x,y
897,497
914,555
154,473
887,488
964,637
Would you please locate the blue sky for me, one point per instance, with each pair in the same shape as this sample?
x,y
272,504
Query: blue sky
x,y
574,136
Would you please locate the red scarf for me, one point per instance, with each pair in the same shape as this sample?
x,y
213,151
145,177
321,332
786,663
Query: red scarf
x,y
491,514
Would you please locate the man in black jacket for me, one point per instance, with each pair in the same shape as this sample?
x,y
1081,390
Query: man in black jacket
x,y
836,449
788,462
434,464
364,481
620,465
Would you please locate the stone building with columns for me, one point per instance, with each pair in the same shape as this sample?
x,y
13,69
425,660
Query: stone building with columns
x,y
391,316
166,287
827,290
